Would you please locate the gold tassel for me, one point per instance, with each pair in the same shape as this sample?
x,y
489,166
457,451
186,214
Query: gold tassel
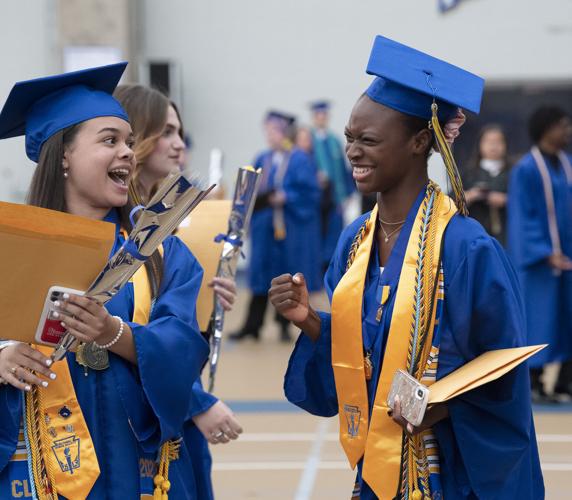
x,y
169,452
450,165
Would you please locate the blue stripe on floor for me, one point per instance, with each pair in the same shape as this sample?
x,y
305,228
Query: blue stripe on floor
x,y
283,406
262,406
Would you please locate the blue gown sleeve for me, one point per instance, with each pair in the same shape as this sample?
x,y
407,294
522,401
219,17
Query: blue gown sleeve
x,y
309,381
528,234
487,445
170,353
201,400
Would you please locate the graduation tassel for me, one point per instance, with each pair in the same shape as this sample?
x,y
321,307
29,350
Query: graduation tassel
x,y
450,164
169,451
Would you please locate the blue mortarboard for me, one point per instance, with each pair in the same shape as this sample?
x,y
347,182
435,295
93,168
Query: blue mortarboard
x,y
278,116
39,108
320,105
408,80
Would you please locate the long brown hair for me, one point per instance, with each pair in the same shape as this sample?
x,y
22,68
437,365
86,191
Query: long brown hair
x,y
147,109
47,190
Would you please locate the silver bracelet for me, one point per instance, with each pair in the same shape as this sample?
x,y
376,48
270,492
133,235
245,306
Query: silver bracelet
x,y
117,337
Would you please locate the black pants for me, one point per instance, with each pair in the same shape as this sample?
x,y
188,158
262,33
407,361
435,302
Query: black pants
x,y
256,311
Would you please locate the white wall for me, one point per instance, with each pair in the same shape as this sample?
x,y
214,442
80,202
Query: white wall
x,y
27,50
240,57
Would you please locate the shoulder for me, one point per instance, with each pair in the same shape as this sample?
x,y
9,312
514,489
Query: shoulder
x,y
465,239
525,166
261,157
350,231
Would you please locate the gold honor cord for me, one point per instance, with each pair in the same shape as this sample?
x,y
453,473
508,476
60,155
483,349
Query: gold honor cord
x,y
42,474
450,164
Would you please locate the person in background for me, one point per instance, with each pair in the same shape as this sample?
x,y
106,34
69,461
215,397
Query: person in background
x,y
334,177
540,244
486,182
160,149
285,225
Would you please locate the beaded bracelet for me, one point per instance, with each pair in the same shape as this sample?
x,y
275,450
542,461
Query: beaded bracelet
x,y
117,337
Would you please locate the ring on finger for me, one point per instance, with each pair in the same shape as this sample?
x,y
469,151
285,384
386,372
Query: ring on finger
x,y
13,370
218,435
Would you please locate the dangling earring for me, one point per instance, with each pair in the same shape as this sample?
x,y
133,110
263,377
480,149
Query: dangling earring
x,y
66,175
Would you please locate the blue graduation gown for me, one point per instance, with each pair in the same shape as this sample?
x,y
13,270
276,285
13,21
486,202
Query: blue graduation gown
x,y
487,445
330,158
197,446
547,297
299,251
130,411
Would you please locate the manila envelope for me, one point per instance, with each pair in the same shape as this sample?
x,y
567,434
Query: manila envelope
x,y
198,232
40,248
481,370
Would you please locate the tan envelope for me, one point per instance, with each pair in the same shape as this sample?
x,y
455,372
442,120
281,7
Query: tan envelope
x,y
198,232
481,370
40,248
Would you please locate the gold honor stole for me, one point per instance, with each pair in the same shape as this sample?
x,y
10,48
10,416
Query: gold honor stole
x,y
379,441
63,459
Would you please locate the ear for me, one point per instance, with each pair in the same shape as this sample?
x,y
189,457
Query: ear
x,y
65,161
421,141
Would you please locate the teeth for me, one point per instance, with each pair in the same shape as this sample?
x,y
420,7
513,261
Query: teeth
x,y
120,171
361,170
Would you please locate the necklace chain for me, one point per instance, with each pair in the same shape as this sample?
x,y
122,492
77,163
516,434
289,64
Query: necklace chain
x,y
387,235
391,223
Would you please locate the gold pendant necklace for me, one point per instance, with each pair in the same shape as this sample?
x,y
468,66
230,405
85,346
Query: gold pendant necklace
x,y
386,235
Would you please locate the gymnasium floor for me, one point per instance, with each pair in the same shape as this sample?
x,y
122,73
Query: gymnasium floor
x,y
288,454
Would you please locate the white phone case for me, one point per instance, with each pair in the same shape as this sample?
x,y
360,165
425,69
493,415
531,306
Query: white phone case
x,y
50,330
413,396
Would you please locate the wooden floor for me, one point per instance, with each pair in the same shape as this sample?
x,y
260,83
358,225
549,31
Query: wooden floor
x,y
288,454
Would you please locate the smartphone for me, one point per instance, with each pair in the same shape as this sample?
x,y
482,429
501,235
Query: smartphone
x,y
412,394
50,330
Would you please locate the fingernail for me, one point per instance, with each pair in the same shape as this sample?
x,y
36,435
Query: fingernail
x,y
27,388
53,376
55,314
49,362
66,296
44,383
63,324
57,303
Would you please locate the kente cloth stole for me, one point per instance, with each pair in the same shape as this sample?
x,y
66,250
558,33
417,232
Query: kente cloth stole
x,y
379,440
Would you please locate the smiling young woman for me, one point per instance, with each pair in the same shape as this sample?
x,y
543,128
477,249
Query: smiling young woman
x,y
105,421
159,147
418,286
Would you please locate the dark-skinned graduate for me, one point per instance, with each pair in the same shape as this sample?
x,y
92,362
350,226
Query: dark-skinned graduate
x,y
414,285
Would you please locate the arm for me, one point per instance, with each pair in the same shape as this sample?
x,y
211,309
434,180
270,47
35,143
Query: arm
x,y
528,236
170,353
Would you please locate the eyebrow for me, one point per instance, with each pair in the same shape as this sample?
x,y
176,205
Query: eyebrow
x,y
113,130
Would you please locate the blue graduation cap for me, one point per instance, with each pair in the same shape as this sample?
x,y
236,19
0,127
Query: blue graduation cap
x,y
278,116
322,105
409,80
41,107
